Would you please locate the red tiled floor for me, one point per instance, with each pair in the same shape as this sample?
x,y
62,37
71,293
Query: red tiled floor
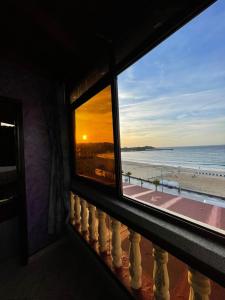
x,y
199,211
131,190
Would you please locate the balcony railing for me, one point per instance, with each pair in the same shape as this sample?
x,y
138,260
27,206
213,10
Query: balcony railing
x,y
106,235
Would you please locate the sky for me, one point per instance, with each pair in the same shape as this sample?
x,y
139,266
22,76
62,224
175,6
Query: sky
x,y
175,94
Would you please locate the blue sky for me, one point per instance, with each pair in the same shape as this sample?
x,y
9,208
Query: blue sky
x,y
175,94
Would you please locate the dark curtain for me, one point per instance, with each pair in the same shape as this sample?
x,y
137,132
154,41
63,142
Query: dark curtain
x,y
55,116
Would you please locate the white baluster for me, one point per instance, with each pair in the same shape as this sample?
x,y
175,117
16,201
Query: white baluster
x,y
200,288
84,218
160,274
135,260
92,224
116,243
72,203
102,232
77,212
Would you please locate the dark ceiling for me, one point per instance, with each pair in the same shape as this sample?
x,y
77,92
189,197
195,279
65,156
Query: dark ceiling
x,y
68,38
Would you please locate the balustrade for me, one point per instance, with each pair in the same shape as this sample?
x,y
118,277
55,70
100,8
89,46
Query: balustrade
x,y
77,212
160,274
200,288
72,211
84,218
91,221
116,244
92,224
102,232
135,260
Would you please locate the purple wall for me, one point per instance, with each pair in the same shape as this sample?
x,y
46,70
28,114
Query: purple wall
x,y
33,90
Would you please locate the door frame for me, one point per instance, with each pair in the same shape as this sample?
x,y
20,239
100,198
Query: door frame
x,y
17,109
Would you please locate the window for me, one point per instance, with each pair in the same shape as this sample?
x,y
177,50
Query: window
x,y
94,140
172,120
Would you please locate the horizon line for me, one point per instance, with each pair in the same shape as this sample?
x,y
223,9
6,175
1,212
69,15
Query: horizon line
x,y
174,146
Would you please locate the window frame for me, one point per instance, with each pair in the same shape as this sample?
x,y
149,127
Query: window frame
x,y
91,92
121,207
196,245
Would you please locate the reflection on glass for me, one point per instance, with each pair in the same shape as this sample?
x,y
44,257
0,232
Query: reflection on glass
x,y
94,148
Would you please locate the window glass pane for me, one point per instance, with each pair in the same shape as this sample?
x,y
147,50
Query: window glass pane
x,y
172,113
94,138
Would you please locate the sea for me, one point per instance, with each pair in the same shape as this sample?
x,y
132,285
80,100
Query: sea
x,y
210,158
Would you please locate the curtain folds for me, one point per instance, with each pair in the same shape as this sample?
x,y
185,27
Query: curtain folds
x,y
56,121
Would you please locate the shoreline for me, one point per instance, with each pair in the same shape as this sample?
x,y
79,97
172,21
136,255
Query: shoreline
x,y
190,169
189,179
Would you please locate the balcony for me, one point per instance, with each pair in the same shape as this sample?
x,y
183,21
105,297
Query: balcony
x,y
145,269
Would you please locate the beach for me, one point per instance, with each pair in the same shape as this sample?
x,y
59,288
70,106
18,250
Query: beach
x,y
186,177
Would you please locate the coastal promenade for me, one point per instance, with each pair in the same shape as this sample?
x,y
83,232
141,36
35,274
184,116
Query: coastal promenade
x,y
188,179
208,214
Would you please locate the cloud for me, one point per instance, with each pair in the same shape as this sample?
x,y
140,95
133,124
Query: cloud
x,y
175,94
178,116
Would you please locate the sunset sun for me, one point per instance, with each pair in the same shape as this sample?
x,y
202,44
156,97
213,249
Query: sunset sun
x,y
84,137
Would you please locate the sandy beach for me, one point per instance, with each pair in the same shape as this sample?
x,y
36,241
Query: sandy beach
x,y
187,178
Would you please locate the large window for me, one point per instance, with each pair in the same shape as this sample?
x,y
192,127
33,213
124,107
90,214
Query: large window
x,y
172,137
94,141
172,120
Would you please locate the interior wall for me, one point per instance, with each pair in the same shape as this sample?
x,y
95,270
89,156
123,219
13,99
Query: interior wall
x,y
32,89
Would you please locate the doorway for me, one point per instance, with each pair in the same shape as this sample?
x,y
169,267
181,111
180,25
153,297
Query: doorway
x,y
13,230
